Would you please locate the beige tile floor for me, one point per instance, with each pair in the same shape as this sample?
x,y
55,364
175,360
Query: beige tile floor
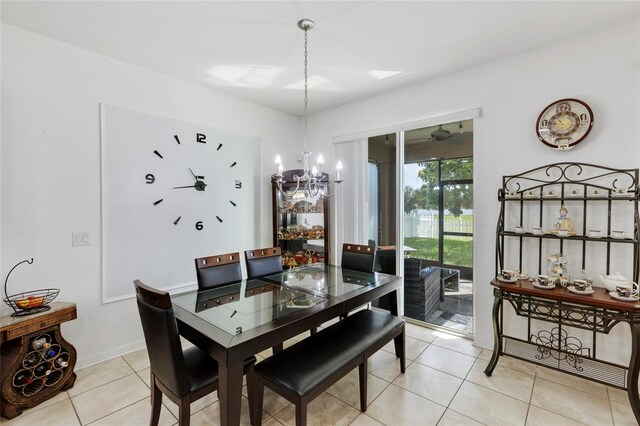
x,y
444,385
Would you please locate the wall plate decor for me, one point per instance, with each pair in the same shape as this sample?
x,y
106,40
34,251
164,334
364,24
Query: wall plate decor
x,y
564,123
172,191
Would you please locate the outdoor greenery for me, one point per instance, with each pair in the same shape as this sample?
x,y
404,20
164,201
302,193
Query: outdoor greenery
x,y
456,197
457,252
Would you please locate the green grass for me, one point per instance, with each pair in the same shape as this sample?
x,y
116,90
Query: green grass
x,y
457,252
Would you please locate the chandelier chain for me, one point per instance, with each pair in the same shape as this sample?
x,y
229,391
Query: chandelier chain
x,y
306,94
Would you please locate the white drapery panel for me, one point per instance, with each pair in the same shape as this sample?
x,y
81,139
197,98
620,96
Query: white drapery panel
x,y
350,206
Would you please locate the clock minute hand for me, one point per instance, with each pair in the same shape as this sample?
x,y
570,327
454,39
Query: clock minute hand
x,y
181,187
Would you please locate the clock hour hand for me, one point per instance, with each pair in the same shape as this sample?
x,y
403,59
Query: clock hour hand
x,y
193,174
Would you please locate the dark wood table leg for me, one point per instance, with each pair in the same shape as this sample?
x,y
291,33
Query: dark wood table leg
x,y
497,334
230,393
634,370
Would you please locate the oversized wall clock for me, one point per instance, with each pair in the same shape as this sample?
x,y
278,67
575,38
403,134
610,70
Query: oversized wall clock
x,y
172,192
564,123
202,178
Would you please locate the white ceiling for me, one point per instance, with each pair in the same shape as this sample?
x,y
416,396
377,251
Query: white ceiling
x,y
253,50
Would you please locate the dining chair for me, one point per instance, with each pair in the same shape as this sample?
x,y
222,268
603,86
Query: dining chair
x,y
183,376
220,269
261,262
358,257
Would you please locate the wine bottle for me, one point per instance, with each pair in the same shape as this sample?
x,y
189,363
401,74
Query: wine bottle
x,y
50,353
42,370
30,360
61,362
41,343
24,378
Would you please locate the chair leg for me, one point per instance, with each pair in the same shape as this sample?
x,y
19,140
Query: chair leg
x,y
258,399
301,413
313,331
156,402
277,348
362,370
184,412
399,343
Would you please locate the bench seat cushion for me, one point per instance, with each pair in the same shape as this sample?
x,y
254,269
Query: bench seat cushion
x,y
305,365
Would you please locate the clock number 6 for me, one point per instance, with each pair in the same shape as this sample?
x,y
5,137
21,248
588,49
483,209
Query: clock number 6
x,y
150,178
199,226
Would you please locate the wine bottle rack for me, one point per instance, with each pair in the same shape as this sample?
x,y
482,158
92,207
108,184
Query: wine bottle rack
x,y
43,366
37,362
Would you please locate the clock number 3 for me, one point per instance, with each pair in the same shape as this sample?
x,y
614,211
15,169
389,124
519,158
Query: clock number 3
x,y
238,184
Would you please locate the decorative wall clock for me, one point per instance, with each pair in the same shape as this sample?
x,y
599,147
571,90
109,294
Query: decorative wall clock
x,y
171,192
564,123
208,186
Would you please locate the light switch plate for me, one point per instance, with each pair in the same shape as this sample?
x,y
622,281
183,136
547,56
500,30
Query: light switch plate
x,y
80,239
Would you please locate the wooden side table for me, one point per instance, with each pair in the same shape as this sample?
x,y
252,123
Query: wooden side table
x,y
37,362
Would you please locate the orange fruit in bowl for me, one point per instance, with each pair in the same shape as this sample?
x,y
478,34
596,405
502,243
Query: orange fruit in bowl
x,y
22,303
35,302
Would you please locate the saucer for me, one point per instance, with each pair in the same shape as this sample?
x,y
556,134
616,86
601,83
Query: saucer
x,y
509,280
618,238
522,276
569,234
625,299
537,284
572,289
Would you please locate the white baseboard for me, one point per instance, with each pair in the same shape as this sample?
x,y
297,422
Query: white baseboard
x,y
88,361
483,343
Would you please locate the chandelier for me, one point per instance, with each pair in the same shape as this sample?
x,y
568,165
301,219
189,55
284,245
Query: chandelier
x,y
310,181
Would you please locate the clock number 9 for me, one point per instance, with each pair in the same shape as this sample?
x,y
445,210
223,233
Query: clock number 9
x,y
199,226
150,178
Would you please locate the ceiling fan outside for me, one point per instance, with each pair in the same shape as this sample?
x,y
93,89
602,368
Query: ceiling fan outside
x,y
439,135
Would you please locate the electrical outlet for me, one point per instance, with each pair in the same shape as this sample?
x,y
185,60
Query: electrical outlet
x,y
80,239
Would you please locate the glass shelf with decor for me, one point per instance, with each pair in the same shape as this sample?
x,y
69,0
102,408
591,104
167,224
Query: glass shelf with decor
x,y
300,222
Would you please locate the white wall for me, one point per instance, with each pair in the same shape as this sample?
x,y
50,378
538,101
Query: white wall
x,y
602,69
51,169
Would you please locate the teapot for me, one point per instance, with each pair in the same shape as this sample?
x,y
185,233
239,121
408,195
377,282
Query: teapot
x,y
614,280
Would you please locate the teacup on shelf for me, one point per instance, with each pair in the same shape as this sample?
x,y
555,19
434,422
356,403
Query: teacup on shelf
x,y
536,230
595,233
627,291
518,229
549,193
617,234
564,281
575,193
582,285
619,191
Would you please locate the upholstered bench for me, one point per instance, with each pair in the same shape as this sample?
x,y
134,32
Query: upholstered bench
x,y
305,370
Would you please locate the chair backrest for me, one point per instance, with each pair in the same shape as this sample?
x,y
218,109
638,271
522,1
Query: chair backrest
x,y
217,270
261,262
162,338
386,259
358,257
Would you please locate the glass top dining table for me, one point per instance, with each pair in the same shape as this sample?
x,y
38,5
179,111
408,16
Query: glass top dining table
x,y
235,321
